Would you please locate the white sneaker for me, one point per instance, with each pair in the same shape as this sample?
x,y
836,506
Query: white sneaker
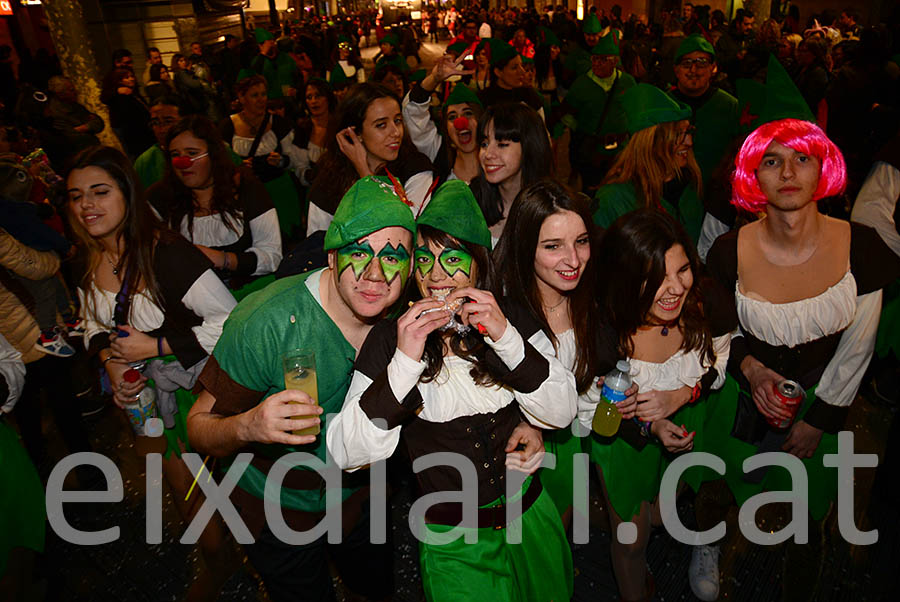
x,y
703,573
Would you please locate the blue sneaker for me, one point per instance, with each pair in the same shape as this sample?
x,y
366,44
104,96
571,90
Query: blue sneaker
x,y
52,343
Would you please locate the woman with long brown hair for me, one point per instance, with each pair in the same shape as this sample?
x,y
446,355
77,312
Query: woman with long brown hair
x,y
675,331
369,138
543,259
146,293
656,168
221,208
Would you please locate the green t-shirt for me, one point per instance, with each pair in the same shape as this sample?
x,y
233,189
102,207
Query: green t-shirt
x,y
287,315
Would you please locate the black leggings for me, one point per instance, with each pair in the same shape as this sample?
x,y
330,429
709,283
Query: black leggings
x,y
53,375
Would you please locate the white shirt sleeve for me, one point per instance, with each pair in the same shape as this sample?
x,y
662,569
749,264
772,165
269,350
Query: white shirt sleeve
x,y
843,375
554,403
299,159
353,440
13,370
711,229
722,348
91,326
317,219
266,246
209,299
876,202
422,130
416,188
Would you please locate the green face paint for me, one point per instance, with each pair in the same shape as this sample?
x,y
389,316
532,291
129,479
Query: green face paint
x,y
394,261
456,260
424,259
357,255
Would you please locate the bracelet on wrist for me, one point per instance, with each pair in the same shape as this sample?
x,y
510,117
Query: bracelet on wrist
x,y
108,357
159,346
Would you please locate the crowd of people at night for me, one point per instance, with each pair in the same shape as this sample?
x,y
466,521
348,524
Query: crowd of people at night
x,y
674,222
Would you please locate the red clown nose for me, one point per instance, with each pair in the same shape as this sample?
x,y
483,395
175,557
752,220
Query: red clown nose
x,y
184,162
461,123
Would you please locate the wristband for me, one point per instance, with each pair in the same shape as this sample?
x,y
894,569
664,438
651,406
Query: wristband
x,y
108,357
159,344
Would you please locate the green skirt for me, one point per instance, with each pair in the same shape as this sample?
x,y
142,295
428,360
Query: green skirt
x,y
888,339
286,199
537,570
633,476
559,481
718,441
22,509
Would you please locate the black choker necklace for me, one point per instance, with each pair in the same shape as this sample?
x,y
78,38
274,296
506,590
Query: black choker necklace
x,y
665,327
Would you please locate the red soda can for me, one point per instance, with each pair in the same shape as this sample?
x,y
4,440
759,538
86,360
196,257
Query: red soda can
x,y
790,395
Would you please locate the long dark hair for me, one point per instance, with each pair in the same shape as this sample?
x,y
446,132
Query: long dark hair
x,y
542,64
514,262
178,200
519,123
633,256
139,231
351,112
470,347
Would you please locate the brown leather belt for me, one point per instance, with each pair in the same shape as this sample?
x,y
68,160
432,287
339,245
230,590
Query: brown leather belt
x,y
451,514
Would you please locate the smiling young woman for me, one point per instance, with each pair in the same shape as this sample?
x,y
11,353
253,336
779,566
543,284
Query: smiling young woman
x,y
367,137
675,332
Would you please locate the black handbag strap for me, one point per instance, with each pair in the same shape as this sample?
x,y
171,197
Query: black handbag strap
x,y
259,135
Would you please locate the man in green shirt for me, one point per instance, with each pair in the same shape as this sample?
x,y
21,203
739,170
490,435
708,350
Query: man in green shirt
x,y
578,59
593,110
715,110
278,68
245,407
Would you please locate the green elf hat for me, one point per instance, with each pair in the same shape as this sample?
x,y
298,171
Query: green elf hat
x,y
344,42
390,38
244,73
418,75
371,204
454,210
500,51
647,105
546,37
262,35
461,93
779,98
591,24
693,43
337,77
783,98
608,44
458,48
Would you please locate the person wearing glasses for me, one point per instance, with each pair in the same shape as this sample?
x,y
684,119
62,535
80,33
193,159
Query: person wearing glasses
x,y
715,110
657,167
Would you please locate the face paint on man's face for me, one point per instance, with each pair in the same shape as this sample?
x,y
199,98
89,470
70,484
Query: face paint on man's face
x,y
357,255
394,261
424,259
456,260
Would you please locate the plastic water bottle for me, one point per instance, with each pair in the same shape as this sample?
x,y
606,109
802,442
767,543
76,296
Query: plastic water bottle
x,y
607,417
143,408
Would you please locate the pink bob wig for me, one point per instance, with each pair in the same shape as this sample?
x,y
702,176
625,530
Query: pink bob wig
x,y
801,136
